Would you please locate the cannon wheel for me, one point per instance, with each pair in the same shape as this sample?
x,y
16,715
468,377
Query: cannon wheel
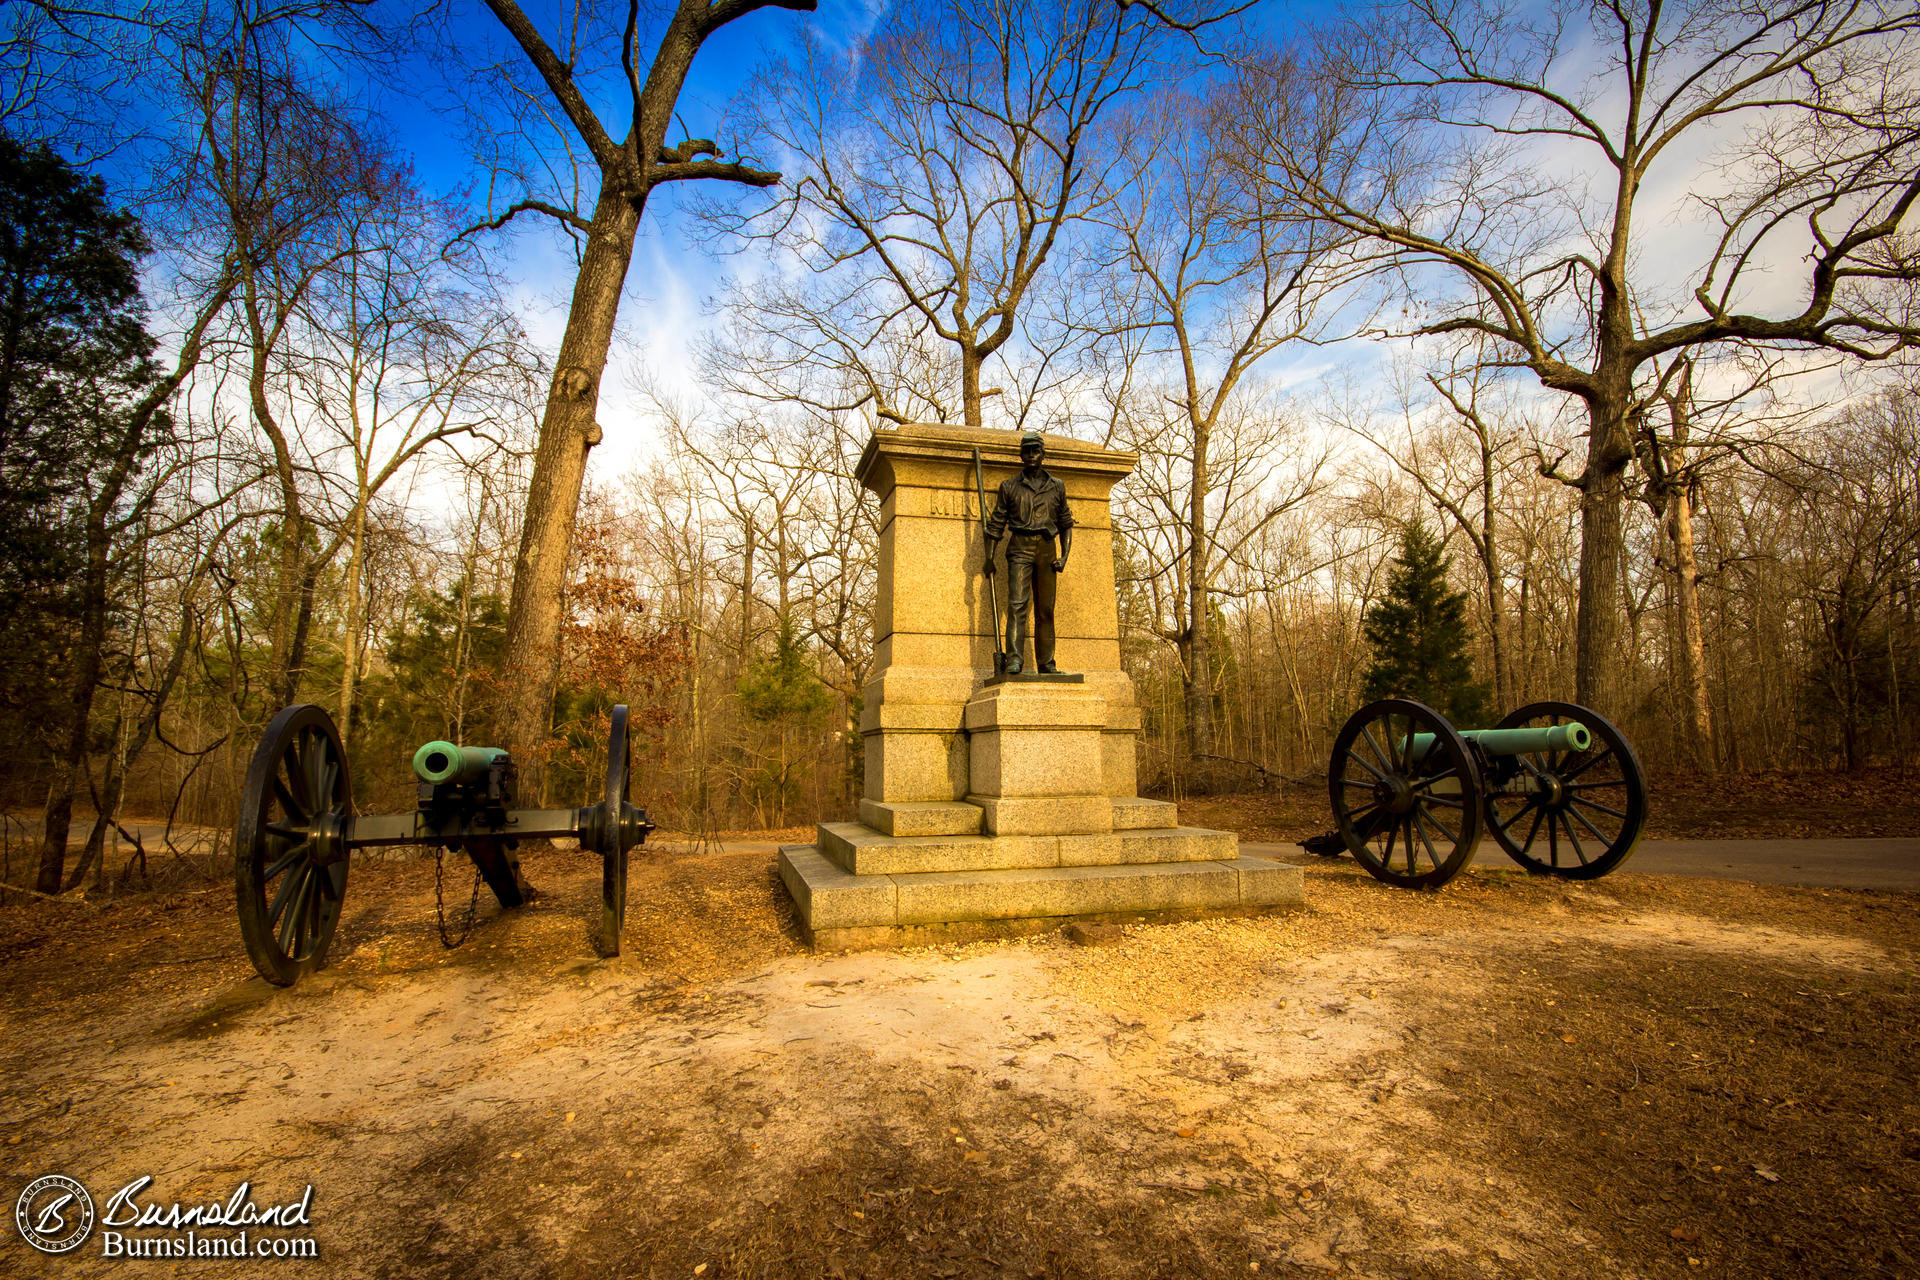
x,y
297,800
613,842
1595,805
1423,814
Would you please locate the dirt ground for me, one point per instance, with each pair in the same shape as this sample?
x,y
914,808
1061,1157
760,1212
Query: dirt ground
x,y
1682,806
1648,1077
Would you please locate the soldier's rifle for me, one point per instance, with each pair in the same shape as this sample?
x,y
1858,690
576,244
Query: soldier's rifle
x,y
993,592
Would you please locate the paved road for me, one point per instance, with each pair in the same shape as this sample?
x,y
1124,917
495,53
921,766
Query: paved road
x,y
1826,864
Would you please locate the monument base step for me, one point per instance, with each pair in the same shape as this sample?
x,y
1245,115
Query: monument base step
x,y
865,852
922,817
839,910
962,818
1130,813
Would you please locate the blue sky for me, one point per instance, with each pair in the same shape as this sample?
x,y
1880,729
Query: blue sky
x,y
673,278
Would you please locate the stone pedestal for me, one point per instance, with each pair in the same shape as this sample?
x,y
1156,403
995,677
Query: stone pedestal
x,y
1001,805
1031,752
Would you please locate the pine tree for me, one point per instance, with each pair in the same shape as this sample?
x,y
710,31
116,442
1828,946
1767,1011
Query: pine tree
x,y
73,354
1417,635
782,693
81,408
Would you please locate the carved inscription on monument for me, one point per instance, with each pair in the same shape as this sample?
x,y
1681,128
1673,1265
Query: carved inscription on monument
x,y
950,502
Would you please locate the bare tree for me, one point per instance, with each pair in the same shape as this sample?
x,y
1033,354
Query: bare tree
x,y
146,694
628,171
393,360
1210,282
1855,507
943,161
274,173
1694,420
1477,147
1259,466
77,72
1460,443
111,526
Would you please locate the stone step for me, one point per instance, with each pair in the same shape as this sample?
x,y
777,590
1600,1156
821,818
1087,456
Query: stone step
x,y
1130,813
1045,815
922,817
960,818
861,850
839,909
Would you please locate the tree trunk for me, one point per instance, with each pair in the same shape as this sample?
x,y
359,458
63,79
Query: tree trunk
x,y
746,601
284,680
1693,663
115,786
122,760
567,432
1602,547
1490,561
1199,667
1496,623
88,660
350,642
1523,677
461,635
970,406
105,805
296,655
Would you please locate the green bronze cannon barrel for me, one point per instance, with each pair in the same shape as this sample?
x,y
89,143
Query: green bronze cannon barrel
x,y
438,762
1513,742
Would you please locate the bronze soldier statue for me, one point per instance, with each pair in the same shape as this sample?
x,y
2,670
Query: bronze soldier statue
x,y
1032,512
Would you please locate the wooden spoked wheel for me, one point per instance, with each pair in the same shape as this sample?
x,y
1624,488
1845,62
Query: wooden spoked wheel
x,y
1584,810
1406,794
290,857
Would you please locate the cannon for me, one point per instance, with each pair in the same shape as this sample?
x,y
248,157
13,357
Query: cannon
x,y
297,831
1556,785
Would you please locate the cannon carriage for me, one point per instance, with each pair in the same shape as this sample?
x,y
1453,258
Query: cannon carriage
x,y
1555,785
297,830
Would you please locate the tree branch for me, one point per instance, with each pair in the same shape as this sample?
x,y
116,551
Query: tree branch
x,y
726,172
559,79
566,217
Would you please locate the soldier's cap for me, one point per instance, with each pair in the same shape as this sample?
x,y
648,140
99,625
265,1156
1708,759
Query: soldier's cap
x,y
1033,437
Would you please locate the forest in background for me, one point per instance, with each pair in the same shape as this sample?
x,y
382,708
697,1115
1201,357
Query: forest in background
x,y
309,484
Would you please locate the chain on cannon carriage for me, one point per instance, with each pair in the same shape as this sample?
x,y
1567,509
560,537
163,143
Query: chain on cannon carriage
x,y
297,831
1555,785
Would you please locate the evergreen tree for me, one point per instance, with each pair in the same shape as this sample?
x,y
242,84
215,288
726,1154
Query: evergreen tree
x,y
438,674
73,356
783,687
81,408
782,694
1417,635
